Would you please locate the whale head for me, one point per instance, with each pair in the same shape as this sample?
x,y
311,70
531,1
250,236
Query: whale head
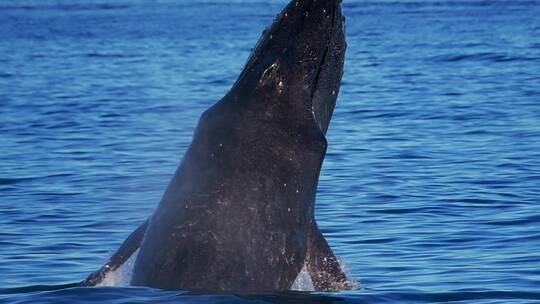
x,y
297,64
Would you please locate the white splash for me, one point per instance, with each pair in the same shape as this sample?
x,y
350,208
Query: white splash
x,y
122,275
353,284
303,282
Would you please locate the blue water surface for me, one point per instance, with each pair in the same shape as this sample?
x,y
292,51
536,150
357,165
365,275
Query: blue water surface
x,y
429,192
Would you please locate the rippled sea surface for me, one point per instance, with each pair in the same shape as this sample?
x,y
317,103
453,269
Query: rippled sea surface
x,y
429,193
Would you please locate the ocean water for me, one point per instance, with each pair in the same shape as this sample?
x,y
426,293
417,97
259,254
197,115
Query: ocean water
x,y
429,192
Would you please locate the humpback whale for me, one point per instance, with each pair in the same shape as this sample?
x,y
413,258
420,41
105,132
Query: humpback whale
x,y
238,215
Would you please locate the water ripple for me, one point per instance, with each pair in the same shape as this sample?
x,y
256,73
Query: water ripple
x,y
493,57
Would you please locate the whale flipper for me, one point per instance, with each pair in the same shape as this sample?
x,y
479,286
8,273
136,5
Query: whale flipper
x,y
130,245
323,266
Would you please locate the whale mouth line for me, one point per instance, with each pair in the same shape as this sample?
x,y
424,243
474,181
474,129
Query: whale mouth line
x,y
331,37
318,106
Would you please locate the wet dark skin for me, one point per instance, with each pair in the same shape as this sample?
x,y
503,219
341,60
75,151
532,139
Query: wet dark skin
x,y
238,214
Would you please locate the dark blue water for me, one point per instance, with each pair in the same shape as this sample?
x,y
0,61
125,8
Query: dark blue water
x,y
431,186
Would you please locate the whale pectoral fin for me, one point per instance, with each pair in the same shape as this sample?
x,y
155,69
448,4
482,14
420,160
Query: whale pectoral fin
x,y
126,250
323,267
